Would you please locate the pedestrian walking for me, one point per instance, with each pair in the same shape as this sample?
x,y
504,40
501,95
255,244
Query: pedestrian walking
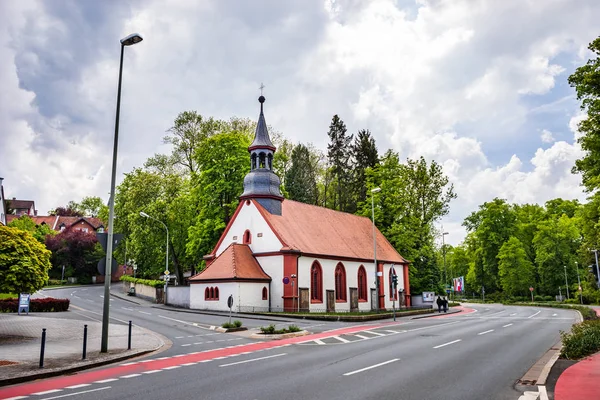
x,y
439,304
445,304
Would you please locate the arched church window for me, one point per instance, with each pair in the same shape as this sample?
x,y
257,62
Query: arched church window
x,y
253,161
270,158
362,284
340,283
212,293
247,237
206,294
265,294
261,160
216,294
316,283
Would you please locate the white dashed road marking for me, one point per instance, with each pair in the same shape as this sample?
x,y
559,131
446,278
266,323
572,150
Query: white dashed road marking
x,y
483,333
371,367
446,344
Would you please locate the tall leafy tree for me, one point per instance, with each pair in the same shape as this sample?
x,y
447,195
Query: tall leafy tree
x,y
77,250
514,268
223,163
585,81
364,155
39,232
488,229
339,153
301,182
24,262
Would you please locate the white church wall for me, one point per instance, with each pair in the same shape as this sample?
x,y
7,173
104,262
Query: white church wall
x,y
250,297
273,266
386,281
198,302
328,267
250,218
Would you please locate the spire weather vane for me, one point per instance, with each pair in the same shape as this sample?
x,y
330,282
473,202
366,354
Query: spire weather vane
x,y
262,86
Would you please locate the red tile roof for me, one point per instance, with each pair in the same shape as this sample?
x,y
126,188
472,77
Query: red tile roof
x,y
68,221
235,263
321,231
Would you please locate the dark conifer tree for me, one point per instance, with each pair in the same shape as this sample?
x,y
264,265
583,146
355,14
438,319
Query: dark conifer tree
x,y
338,153
300,179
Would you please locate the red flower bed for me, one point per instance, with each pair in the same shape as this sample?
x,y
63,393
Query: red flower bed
x,y
47,304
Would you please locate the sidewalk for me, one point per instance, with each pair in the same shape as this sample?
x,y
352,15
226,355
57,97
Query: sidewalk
x,y
20,339
580,381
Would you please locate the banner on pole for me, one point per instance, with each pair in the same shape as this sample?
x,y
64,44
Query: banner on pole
x,y
458,284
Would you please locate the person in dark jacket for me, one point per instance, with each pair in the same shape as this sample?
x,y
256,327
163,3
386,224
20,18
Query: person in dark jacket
x,y
439,302
445,304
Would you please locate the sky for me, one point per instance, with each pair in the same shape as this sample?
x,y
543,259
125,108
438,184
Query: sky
x,y
478,86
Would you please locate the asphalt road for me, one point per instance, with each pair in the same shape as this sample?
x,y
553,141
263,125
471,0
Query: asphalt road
x,y
463,356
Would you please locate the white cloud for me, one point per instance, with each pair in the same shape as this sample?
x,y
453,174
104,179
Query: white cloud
x,y
547,136
458,82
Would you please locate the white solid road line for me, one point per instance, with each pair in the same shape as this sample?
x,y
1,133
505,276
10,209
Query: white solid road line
x,y
483,333
144,312
47,392
506,326
172,367
78,386
543,393
513,314
78,393
252,360
130,376
371,367
107,380
531,316
184,322
446,344
152,371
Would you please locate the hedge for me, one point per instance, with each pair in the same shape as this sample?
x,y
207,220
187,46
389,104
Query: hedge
x,y
148,282
47,304
583,340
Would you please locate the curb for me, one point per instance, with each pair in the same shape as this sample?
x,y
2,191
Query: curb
x,y
63,371
124,298
188,311
433,314
279,336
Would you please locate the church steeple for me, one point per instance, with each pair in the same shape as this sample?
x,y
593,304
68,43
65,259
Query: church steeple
x,y
262,183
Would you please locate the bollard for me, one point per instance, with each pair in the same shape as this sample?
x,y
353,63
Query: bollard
x,y
43,348
129,338
84,341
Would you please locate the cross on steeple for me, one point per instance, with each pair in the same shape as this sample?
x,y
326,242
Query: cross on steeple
x,y
261,88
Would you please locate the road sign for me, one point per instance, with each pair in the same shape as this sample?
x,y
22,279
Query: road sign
x,y
102,266
531,289
286,280
230,301
167,272
24,303
102,237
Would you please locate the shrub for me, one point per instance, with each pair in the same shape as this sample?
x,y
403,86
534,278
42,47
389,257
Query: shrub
x,y
47,304
572,301
268,330
55,282
227,325
237,323
148,282
294,328
583,340
452,304
234,324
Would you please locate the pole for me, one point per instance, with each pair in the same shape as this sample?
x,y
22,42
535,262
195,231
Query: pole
x,y
531,295
43,348
579,287
84,342
129,337
566,282
111,216
62,277
597,271
444,255
375,253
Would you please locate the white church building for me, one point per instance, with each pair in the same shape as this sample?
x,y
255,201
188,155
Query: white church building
x,y
277,254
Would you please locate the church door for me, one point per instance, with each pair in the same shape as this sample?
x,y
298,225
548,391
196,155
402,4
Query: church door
x,y
304,299
330,301
353,299
373,299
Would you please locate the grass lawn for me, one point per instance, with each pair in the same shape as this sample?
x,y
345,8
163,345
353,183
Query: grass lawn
x,y
8,296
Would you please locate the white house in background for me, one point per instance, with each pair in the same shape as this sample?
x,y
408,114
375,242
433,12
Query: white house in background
x,y
2,204
277,254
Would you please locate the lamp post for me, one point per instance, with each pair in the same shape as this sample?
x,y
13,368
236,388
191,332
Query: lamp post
x,y
566,282
373,191
597,270
127,41
579,283
444,254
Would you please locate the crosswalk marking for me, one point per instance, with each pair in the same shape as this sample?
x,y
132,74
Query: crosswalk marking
x,y
341,339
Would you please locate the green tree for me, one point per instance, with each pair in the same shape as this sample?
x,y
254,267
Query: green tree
x,y
222,163
24,262
488,229
364,154
78,251
339,153
93,206
586,80
39,232
514,268
301,183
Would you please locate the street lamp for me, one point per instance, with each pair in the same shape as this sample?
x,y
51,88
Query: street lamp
x,y
566,282
373,191
444,254
597,271
579,283
143,214
127,41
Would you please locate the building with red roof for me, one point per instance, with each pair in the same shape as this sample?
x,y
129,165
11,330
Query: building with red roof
x,y
277,254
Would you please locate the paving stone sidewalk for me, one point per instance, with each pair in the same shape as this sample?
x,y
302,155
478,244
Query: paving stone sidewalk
x,y
20,343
